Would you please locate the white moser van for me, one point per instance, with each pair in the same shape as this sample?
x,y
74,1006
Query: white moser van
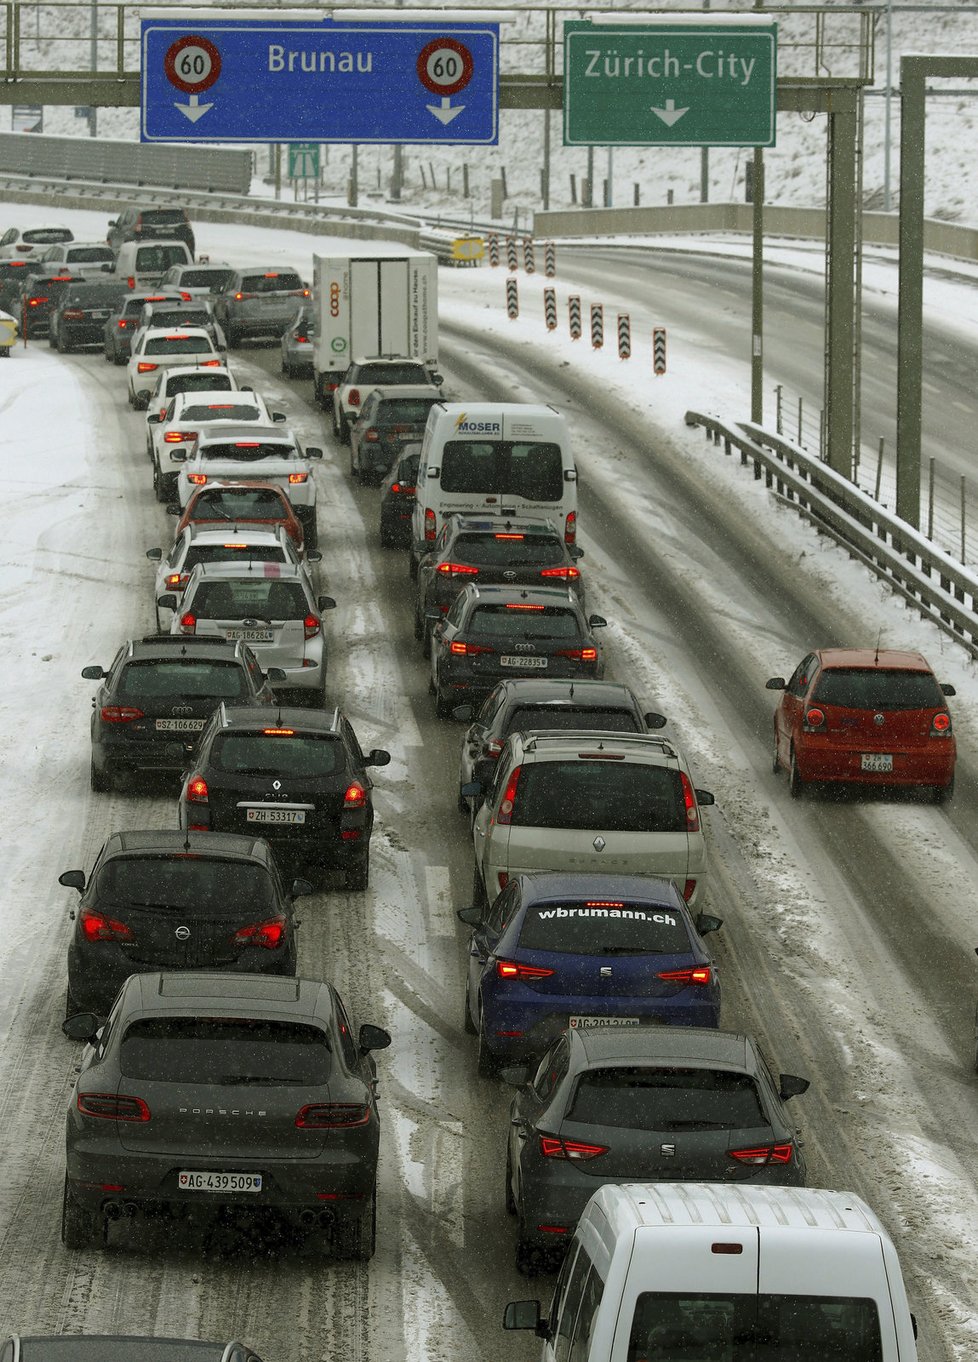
x,y
493,458
690,1272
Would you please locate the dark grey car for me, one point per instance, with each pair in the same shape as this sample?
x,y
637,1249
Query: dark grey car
x,y
205,1091
119,1348
641,1104
258,302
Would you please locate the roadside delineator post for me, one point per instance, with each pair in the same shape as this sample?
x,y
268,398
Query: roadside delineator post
x,y
624,336
574,316
597,325
512,300
549,259
529,259
493,243
512,259
658,350
550,308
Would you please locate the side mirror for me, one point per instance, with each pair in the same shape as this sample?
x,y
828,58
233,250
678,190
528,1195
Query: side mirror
x,y
576,553
276,674
790,1085
654,720
515,1075
154,555
245,388
437,379
524,1315
153,418
466,712
472,917
178,456
313,452
570,475
93,673
377,757
434,615
300,888
278,416
325,602
432,472
73,879
775,683
706,922
168,600
373,1038
113,222
174,510
947,688
705,797
597,622
472,789
82,1026
314,556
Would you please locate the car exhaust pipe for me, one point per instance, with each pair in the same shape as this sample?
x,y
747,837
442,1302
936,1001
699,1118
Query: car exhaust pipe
x,y
112,1210
307,1219
326,1219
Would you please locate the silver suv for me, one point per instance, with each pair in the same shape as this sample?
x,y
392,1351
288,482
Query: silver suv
x,y
607,803
258,302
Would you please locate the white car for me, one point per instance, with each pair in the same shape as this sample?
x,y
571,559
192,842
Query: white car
x,y
389,373
198,280
189,378
80,257
154,350
259,454
219,544
184,415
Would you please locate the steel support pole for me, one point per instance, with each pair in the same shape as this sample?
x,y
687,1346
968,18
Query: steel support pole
x,y
546,160
757,295
840,288
910,310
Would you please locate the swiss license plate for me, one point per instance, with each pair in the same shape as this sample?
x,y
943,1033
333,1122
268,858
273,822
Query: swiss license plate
x,y
275,816
877,761
592,1023
528,663
179,725
250,635
219,1182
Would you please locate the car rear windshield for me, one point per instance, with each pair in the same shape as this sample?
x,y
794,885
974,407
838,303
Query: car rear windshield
x,y
160,257
854,688
198,383
180,316
227,553
248,451
506,549
520,621
95,295
45,236
411,410
260,598
182,679
77,255
569,716
212,279
531,470
300,754
668,1326
99,1348
274,282
390,373
225,1051
153,217
620,795
184,882
221,411
235,504
603,927
648,1098
177,345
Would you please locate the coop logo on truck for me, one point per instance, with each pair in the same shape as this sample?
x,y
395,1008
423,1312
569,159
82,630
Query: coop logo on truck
x,y
466,427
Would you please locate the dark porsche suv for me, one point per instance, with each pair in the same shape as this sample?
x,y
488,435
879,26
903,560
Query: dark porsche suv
x,y
158,694
294,776
208,1091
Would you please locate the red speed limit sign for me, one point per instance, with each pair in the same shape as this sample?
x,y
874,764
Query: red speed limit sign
x,y
192,64
445,66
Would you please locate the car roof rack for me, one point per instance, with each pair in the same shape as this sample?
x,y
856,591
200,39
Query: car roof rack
x,y
572,737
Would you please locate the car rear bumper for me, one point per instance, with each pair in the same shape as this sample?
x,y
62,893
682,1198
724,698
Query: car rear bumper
x,y
147,753
933,767
542,1024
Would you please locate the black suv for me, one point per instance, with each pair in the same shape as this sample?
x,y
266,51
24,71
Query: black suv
x,y
39,295
171,900
294,776
210,1091
486,550
80,314
158,694
151,223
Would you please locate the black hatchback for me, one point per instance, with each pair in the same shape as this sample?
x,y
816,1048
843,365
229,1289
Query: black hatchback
x,y
295,776
169,900
39,295
397,496
157,696
80,314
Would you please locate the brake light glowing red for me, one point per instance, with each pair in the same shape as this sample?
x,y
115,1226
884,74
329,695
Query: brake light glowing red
x,y
462,649
526,607
512,969
179,437
814,718
120,714
505,815
197,479
177,580
570,527
553,1147
689,799
112,1106
188,623
579,654
355,797
311,625
699,974
144,367
197,791
457,570
298,477
940,725
97,927
403,489
325,1115
569,574
354,397
265,934
764,1154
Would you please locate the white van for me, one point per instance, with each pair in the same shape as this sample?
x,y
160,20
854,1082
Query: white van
x,y
664,1272
493,458
144,263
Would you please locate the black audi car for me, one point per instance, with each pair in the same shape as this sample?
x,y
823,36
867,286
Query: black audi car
x,y
171,900
210,1091
80,314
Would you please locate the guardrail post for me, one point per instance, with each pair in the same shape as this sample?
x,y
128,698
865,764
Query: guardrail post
x,y
879,469
963,530
777,409
801,427
930,498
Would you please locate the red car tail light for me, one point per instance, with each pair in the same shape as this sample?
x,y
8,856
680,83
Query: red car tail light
x,y
295,478
144,367
326,1115
187,297
553,1147
179,437
302,340
526,607
131,282
279,732
579,654
505,815
940,726
112,1106
197,479
188,623
814,718
698,974
570,527
267,934
197,791
176,580
241,297
512,969
689,799
355,797
122,323
461,649
97,927
493,748
211,363
120,714
35,302
354,397
764,1154
457,570
569,574
310,626
689,888
403,489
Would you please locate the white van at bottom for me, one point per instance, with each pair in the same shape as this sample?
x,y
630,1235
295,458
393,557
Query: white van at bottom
x,y
692,1272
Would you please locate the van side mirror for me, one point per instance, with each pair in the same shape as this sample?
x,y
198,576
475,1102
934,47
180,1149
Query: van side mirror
x,y
576,553
525,1315
73,879
437,379
706,922
790,1085
654,720
705,797
570,475
432,472
775,683
153,418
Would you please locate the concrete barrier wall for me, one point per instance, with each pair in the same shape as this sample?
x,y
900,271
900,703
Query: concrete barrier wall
x,y
89,158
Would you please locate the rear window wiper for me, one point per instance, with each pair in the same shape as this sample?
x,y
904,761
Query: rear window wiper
x,y
234,1080
695,1125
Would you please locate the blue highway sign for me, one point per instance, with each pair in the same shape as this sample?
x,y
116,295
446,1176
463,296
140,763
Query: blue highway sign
x,y
275,80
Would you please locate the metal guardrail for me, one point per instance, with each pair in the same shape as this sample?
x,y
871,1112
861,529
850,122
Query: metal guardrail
x,y
131,163
941,589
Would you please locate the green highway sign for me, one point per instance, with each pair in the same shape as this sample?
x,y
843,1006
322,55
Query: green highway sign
x,y
682,82
303,160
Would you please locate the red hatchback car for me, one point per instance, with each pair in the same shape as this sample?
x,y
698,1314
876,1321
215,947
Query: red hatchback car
x,y
243,503
864,715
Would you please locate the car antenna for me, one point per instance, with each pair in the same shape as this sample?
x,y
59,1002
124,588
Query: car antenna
x,y
186,840
571,691
876,659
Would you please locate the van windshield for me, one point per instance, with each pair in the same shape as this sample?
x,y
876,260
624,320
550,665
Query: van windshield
x,y
682,1326
529,469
